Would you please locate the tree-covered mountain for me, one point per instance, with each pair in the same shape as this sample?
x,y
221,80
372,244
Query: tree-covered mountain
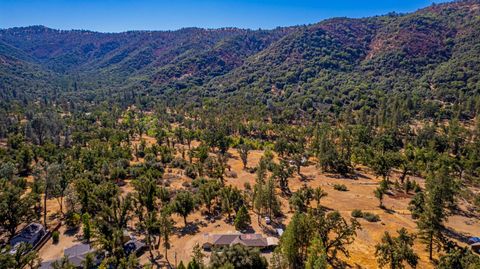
x,y
427,61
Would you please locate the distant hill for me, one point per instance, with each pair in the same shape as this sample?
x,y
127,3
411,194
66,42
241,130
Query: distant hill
x,y
432,54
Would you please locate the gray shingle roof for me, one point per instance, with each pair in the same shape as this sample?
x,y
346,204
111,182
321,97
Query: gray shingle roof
x,y
249,240
30,234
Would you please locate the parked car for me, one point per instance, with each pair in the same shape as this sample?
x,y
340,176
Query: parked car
x,y
268,220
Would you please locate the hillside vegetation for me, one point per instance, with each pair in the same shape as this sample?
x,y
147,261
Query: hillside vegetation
x,y
427,63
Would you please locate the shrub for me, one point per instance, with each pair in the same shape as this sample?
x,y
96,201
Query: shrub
x,y
191,172
357,213
408,186
196,183
252,170
179,162
371,217
55,237
340,187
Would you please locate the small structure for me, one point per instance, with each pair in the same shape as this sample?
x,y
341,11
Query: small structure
x,y
78,253
32,234
474,244
475,247
248,240
473,240
279,231
134,246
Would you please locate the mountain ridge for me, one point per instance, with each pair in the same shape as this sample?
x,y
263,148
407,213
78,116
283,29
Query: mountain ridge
x,y
330,65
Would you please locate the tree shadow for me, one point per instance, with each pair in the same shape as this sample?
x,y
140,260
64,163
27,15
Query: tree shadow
x,y
339,264
325,208
388,210
362,176
456,235
71,231
464,213
159,263
248,230
191,228
306,178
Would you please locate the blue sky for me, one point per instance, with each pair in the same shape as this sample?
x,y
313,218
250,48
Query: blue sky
x,y
122,15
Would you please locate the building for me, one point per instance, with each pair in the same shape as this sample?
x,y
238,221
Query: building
x,y
32,234
473,240
475,247
76,255
474,244
248,240
134,246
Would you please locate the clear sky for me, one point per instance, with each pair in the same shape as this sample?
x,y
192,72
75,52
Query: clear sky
x,y
122,15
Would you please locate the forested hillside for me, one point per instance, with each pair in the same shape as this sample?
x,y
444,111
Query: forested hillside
x,y
426,61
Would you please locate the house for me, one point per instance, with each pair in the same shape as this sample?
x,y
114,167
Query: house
x,y
249,240
32,234
76,255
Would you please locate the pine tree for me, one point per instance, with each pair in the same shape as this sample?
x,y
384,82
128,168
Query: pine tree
x,y
231,198
242,219
166,229
86,226
440,195
295,240
317,257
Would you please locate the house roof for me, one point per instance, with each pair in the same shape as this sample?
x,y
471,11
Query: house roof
x,y
133,245
272,241
223,239
46,264
473,240
30,234
249,240
77,250
76,255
